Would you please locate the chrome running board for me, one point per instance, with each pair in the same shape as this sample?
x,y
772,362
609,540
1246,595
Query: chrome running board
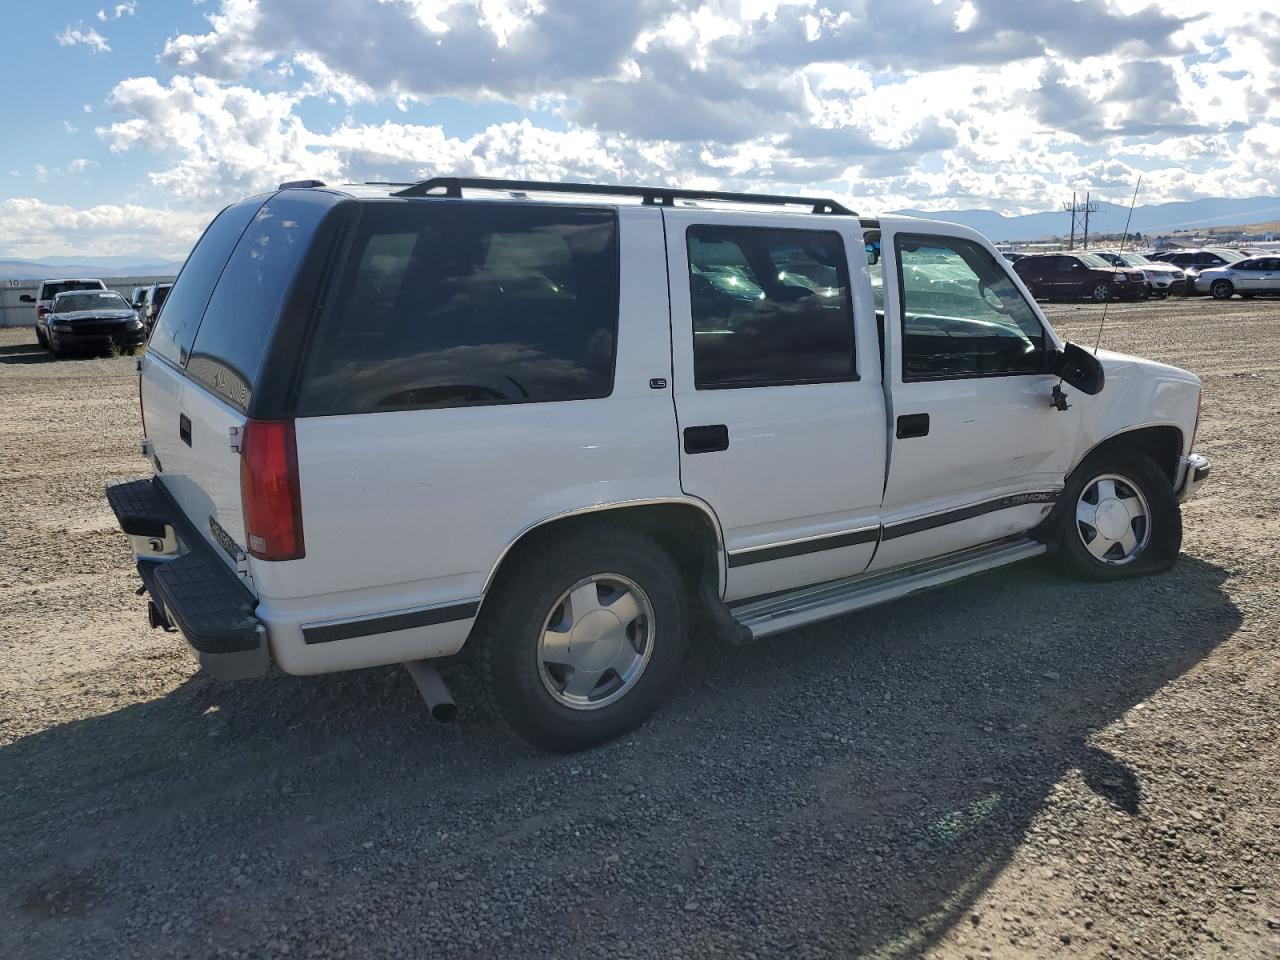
x,y
795,608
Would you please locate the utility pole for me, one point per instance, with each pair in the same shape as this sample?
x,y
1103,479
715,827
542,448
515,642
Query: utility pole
x,y
1080,217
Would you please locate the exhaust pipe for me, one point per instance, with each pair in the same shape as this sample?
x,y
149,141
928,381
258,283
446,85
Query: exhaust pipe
x,y
432,687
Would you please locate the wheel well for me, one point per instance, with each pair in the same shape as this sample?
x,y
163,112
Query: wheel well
x,y
687,531
1162,444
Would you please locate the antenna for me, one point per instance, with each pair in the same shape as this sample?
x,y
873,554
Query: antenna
x,y
1123,237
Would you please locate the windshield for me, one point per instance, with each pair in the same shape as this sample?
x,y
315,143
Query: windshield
x,y
75,302
1231,256
1093,260
1135,259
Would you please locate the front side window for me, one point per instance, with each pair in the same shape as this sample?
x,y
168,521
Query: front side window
x,y
962,315
443,304
769,307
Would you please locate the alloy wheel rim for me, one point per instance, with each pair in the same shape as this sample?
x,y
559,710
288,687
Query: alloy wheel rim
x,y
596,642
1113,519
1100,292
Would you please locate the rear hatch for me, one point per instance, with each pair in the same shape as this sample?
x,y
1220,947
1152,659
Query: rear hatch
x,y
206,354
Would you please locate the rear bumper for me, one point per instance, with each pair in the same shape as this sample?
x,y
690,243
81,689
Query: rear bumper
x,y
1193,470
193,587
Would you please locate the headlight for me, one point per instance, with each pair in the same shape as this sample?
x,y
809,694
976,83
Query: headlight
x,y
134,324
62,327
1121,278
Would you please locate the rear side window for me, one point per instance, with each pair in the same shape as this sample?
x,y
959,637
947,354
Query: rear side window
x,y
242,312
770,307
177,325
443,304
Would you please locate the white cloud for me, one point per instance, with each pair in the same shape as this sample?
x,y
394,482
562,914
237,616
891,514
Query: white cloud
x,y
33,228
87,36
81,164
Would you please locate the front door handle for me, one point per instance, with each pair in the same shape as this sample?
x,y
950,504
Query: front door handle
x,y
707,439
913,425
184,428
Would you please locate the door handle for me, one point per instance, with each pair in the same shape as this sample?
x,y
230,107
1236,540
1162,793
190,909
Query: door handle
x,y
707,439
184,428
913,425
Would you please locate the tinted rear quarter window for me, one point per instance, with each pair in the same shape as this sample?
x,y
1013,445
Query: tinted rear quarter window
x,y
177,325
448,304
51,290
240,318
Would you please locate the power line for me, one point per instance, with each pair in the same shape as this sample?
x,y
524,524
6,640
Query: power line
x,y
1080,217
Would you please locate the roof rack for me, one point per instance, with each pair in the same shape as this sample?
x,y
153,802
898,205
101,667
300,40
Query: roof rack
x,y
652,196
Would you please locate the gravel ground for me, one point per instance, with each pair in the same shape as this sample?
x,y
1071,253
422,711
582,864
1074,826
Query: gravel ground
x,y
1013,766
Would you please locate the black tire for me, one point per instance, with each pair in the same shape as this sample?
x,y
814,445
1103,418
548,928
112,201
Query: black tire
x,y
517,608
57,351
1164,538
44,344
1146,293
1100,293
1221,289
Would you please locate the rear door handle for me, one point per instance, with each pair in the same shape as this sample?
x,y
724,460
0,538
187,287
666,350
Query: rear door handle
x,y
184,428
913,425
707,439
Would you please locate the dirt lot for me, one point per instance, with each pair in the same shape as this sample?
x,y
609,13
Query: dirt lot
x,y
1014,766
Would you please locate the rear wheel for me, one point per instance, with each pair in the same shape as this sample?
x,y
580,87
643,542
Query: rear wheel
x,y
582,639
44,344
1121,518
1222,289
1100,293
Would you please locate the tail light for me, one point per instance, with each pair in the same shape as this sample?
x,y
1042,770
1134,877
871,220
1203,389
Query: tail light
x,y
41,311
269,490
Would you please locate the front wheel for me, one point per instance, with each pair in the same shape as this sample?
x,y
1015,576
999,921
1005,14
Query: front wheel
x,y
582,639
1100,294
1121,518
1221,289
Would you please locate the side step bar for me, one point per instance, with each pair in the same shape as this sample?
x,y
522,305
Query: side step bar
x,y
795,608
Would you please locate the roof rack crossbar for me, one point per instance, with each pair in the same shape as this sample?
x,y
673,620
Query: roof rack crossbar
x,y
651,196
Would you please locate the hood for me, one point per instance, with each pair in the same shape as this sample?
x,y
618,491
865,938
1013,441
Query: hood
x,y
1157,267
1119,365
114,313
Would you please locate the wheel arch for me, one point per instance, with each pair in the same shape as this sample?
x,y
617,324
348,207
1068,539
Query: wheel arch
x,y
1162,442
687,527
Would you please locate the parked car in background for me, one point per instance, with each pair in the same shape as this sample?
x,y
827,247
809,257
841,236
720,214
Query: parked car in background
x,y
1191,262
1162,278
1073,276
1011,256
152,301
135,299
90,320
50,289
1254,276
706,425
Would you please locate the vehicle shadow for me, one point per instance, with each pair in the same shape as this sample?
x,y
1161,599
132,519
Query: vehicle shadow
x,y
24,353
852,787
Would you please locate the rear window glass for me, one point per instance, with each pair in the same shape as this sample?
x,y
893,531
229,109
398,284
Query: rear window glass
x,y
241,315
161,295
176,327
51,290
445,304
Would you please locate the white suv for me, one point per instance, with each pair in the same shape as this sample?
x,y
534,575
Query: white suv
x,y
562,428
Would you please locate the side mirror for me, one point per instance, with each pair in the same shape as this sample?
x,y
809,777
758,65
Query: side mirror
x,y
26,298
1079,368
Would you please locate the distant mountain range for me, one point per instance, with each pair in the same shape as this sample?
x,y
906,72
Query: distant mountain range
x,y
114,266
1154,219
1148,219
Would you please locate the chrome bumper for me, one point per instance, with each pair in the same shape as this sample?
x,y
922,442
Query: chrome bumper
x,y
1193,470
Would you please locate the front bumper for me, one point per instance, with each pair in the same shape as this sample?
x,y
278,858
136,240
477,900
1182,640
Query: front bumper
x,y
120,336
192,587
1193,470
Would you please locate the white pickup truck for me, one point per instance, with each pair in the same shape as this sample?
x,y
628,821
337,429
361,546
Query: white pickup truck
x,y
560,429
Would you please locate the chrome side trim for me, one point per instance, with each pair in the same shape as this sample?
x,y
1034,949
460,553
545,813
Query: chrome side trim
x,y
617,505
406,618
783,549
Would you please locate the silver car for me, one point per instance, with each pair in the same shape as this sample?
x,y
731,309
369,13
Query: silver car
x,y
1163,279
1249,278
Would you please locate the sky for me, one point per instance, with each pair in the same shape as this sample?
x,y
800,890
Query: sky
x,y
129,124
